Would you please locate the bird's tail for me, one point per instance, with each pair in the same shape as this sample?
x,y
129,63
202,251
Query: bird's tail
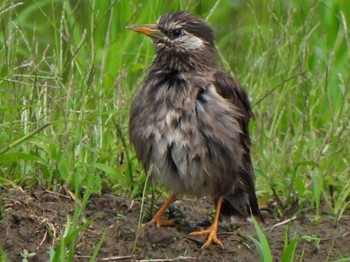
x,y
241,204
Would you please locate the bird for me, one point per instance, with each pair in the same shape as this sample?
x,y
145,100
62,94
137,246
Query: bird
x,y
190,120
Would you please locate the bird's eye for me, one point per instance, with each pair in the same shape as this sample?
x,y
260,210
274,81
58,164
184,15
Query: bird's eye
x,y
176,32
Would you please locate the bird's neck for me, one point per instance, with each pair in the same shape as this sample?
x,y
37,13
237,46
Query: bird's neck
x,y
174,61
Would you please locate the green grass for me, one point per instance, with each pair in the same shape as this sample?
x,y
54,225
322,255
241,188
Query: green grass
x,y
69,71
262,244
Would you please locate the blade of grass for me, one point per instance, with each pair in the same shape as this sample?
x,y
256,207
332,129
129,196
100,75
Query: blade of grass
x,y
262,244
23,139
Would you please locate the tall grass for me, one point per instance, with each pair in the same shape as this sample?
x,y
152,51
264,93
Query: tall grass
x,y
71,67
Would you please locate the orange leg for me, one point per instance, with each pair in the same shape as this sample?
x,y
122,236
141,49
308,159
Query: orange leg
x,y
212,230
158,218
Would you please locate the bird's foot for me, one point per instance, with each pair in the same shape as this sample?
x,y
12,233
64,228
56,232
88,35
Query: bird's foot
x,y
158,221
212,238
158,218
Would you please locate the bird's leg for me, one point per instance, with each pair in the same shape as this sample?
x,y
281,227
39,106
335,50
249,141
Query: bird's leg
x,y
158,217
212,230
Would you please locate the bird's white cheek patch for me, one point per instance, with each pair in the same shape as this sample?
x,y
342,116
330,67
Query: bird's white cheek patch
x,y
191,42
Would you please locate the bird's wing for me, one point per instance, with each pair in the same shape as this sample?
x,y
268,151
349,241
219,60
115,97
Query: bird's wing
x,y
137,133
230,89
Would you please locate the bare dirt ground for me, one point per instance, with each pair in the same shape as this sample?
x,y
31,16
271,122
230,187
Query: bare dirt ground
x,y
31,221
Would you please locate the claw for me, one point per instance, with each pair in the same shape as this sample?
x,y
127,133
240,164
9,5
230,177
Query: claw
x,y
159,222
212,238
212,230
158,218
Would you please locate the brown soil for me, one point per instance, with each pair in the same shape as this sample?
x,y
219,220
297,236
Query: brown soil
x,y
34,220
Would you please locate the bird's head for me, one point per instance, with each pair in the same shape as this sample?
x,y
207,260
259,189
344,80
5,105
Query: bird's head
x,y
182,41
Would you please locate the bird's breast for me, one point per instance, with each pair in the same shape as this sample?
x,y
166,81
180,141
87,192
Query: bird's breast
x,y
177,148
189,134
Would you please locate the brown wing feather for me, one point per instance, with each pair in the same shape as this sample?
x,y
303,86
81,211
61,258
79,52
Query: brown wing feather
x,y
230,89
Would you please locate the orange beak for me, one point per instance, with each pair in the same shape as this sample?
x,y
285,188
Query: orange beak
x,y
148,29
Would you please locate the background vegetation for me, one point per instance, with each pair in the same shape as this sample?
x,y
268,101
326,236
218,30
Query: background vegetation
x,y
69,71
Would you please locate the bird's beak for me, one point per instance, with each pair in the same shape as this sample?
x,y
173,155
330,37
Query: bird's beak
x,y
148,29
